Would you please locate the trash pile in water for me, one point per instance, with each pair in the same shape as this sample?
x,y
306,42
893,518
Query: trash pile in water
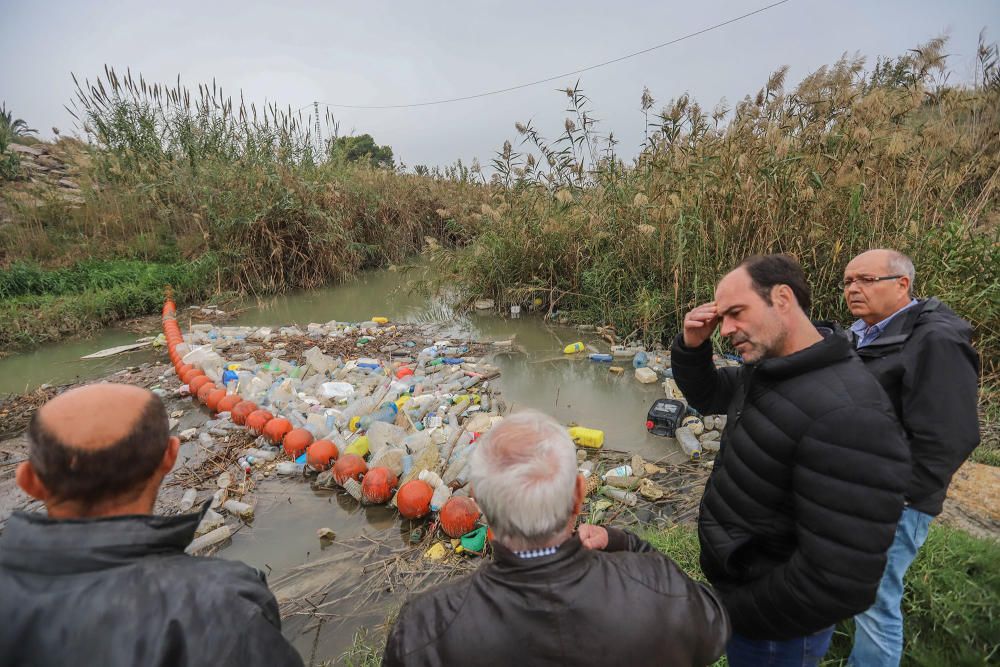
x,y
380,411
393,426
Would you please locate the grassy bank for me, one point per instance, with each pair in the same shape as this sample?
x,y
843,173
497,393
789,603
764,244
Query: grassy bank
x,y
844,161
39,305
213,198
951,603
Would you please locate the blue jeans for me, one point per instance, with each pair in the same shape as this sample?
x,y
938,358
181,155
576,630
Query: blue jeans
x,y
878,632
798,652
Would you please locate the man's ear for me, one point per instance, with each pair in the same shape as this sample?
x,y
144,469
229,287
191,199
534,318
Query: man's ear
x,y
782,297
170,454
30,482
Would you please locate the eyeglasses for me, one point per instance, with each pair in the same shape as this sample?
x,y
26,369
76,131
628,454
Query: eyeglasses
x,y
867,281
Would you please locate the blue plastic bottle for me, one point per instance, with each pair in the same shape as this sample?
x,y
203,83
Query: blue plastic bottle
x,y
640,360
387,413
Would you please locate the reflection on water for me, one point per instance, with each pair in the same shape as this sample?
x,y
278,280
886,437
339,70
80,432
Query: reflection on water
x,y
60,363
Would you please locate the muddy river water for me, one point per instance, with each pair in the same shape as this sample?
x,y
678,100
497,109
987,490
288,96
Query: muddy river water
x,y
282,538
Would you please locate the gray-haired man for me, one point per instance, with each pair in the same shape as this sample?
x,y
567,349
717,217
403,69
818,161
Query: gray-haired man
x,y
921,353
602,596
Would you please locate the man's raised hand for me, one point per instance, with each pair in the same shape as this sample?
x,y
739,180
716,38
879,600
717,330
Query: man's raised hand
x,y
699,324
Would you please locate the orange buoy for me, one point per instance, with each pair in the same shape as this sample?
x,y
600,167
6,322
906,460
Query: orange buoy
x,y
349,466
204,391
296,441
459,516
378,485
414,499
276,429
198,382
321,454
191,375
241,411
228,403
212,401
258,419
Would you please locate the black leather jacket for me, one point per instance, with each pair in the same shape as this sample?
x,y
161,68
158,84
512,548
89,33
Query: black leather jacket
x,y
631,606
121,591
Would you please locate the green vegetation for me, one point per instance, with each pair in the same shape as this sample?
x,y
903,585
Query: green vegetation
x,y
951,603
361,148
10,129
38,305
841,163
236,197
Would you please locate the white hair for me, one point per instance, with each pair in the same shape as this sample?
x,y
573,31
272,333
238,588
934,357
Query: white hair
x,y
902,265
523,477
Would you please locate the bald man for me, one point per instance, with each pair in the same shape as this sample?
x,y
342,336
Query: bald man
x,y
100,580
921,353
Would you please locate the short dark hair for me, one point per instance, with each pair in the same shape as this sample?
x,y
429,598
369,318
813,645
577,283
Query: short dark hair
x,y
91,477
766,271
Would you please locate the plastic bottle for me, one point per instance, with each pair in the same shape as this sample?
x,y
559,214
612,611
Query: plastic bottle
x,y
187,500
352,487
640,360
220,534
620,495
260,454
573,348
587,437
237,508
387,413
607,358
290,468
688,442
440,497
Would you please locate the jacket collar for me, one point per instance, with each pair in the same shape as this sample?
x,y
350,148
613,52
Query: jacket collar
x,y
510,564
33,542
833,348
898,329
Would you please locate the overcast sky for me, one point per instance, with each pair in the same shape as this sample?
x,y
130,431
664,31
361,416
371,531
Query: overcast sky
x,y
365,53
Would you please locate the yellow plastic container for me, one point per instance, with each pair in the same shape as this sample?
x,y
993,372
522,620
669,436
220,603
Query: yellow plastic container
x,y
403,400
359,447
572,348
587,437
380,320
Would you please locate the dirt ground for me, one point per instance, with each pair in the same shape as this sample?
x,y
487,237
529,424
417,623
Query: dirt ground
x,y
973,502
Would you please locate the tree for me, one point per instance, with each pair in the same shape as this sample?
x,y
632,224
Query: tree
x,y
361,148
11,127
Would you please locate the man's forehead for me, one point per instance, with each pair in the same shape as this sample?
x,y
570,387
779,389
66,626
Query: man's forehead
x,y
867,262
733,289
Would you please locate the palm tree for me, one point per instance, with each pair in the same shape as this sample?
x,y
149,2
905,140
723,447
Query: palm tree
x,y
12,127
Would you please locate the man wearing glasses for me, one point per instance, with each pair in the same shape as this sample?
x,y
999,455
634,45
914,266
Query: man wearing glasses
x,y
921,353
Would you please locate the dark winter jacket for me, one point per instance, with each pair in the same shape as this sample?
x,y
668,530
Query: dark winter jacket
x,y
925,362
575,607
807,488
121,591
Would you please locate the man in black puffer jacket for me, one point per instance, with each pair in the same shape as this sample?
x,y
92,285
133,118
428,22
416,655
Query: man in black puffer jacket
x,y
807,488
